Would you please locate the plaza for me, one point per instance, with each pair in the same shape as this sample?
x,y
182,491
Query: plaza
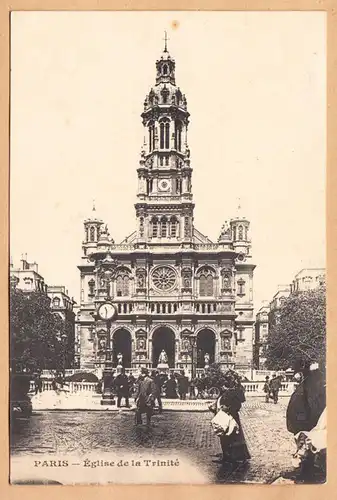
x,y
182,435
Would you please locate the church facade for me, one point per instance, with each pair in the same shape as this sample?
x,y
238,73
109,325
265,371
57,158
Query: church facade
x,y
168,282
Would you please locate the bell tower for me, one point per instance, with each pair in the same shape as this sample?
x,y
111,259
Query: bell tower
x,y
164,205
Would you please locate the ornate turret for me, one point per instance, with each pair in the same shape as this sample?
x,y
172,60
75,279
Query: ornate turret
x,y
92,229
240,233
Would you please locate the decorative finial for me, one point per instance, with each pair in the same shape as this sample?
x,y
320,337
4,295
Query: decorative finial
x,y
239,204
165,40
93,206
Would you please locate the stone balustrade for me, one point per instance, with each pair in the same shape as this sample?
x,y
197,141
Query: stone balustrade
x,y
251,388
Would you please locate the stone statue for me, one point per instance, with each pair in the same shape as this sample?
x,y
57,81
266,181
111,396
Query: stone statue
x,y
141,280
186,345
163,359
120,359
141,344
102,344
206,358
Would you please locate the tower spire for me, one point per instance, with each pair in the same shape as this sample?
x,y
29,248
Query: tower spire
x,y
165,41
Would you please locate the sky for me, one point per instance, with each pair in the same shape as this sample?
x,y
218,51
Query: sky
x,y
255,87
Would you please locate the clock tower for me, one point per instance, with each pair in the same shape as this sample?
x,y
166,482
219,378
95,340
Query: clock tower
x,y
164,207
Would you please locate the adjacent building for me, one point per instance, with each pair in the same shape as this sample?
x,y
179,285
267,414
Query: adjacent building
x,y
268,315
170,284
28,279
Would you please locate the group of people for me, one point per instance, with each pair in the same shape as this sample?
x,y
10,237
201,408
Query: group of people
x,y
174,386
272,387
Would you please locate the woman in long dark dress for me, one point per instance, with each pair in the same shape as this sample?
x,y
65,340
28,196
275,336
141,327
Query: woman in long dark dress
x,y
234,447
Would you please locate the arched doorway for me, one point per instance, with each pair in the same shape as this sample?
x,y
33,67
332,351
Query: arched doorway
x,y
163,339
205,344
122,344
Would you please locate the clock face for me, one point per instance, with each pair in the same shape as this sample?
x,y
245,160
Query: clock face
x,y
164,185
107,311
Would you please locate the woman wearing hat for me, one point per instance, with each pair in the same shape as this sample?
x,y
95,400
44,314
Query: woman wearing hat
x,y
234,447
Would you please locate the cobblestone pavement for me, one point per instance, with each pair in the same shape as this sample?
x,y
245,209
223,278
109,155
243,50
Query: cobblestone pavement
x,y
181,433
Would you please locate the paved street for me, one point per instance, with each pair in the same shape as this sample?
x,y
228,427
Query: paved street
x,y
181,434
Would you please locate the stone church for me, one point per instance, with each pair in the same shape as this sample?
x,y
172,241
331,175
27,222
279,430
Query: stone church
x,y
168,282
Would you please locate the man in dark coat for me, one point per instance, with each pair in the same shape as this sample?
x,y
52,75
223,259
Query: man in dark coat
x,y
122,388
275,386
182,385
144,397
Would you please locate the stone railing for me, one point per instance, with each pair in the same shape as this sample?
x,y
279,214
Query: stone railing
x,y
256,388
47,385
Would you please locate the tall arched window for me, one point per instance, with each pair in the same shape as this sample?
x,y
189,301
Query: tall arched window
x,y
240,233
174,227
86,234
151,136
154,227
164,227
122,285
202,288
92,233
177,136
164,129
167,135
141,227
206,283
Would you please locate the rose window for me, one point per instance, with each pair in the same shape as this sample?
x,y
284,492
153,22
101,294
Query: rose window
x,y
164,278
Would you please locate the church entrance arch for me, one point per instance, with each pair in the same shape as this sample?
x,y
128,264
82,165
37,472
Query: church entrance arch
x,y
205,345
163,339
122,345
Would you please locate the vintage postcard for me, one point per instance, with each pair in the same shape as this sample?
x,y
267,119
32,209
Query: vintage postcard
x,y
167,276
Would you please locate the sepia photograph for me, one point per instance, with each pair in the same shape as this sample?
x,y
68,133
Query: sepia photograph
x,y
167,274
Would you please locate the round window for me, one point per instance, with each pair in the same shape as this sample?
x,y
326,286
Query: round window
x,y
164,278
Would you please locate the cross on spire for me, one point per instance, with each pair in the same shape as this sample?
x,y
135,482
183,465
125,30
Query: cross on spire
x,y
165,40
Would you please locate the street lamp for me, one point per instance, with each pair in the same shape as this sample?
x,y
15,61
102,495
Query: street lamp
x,y
107,311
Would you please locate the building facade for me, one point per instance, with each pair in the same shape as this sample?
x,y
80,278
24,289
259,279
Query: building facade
x,y
308,279
170,283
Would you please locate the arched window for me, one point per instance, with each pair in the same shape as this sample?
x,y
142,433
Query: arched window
x,y
206,283
92,233
174,227
165,69
167,135
56,302
86,234
240,236
154,227
177,136
122,285
209,285
164,227
202,288
151,136
126,281
162,135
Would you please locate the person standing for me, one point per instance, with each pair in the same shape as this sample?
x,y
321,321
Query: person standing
x,y
122,388
171,387
266,389
275,386
158,383
234,447
144,397
182,385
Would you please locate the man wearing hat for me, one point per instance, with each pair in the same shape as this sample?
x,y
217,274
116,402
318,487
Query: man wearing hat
x,y
145,397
